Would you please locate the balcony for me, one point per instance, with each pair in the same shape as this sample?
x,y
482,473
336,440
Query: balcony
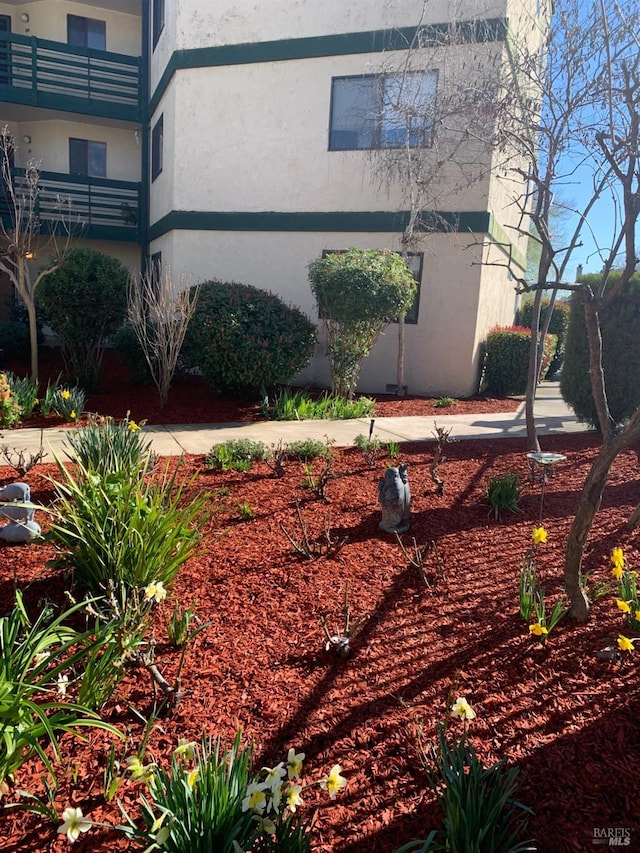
x,y
91,208
57,76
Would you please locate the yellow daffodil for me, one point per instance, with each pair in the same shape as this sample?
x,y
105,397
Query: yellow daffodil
x,y
255,799
73,823
622,605
334,782
65,394
617,572
132,426
462,709
192,778
294,763
617,558
72,416
293,797
140,772
539,535
538,630
155,591
187,748
625,644
637,615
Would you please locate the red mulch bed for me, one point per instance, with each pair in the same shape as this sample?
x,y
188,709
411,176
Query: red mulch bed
x,y
568,719
191,400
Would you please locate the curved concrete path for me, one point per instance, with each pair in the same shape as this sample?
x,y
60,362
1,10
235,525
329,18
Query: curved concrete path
x,y
552,416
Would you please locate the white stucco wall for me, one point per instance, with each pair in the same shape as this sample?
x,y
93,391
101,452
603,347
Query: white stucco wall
x,y
48,20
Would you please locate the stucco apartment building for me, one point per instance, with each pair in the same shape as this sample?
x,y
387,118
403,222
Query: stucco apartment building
x,y
240,139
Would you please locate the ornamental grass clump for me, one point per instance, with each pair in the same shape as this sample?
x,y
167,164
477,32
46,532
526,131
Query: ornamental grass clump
x,y
300,405
69,403
239,454
105,447
503,493
37,665
121,529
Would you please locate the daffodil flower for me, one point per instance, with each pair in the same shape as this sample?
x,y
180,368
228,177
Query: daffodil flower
x,y
266,825
617,571
274,774
140,772
65,394
334,782
617,558
538,629
622,605
155,591
276,798
73,823
462,709
625,644
187,748
294,763
192,778
293,797
255,799
637,615
63,683
539,535
132,426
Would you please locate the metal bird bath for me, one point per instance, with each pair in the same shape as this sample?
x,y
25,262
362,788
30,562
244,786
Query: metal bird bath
x,y
546,461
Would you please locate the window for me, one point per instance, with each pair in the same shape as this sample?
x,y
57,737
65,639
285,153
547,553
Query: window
x,y
87,157
382,111
86,32
157,20
414,262
156,148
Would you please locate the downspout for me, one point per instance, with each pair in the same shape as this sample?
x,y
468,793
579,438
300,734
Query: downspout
x,y
144,123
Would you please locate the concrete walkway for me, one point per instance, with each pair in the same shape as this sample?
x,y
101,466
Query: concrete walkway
x,y
551,413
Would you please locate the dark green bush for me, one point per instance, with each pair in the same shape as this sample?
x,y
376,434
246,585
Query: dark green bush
x,y
558,326
507,359
85,302
247,340
125,342
620,327
14,340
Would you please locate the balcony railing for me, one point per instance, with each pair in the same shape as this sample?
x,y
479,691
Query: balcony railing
x,y
58,76
96,208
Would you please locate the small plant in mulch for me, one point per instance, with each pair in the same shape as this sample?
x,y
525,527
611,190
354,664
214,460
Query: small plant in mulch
x,y
339,643
20,460
442,437
238,454
309,547
416,557
503,493
531,594
444,402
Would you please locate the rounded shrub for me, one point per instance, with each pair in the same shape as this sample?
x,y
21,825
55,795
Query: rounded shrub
x,y
85,302
14,340
125,342
506,364
247,340
558,326
620,327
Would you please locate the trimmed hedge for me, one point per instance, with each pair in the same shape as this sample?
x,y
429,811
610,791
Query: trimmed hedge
x,y
558,326
247,340
507,359
620,328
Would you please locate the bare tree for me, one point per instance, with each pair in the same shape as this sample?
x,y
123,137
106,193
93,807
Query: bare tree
x,y
587,130
438,111
160,312
25,232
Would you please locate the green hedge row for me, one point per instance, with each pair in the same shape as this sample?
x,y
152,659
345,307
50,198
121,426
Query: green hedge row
x,y
507,359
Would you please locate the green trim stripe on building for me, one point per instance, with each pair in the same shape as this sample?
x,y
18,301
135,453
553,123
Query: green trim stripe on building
x,y
340,44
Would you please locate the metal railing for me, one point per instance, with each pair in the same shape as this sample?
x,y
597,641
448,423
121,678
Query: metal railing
x,y
59,76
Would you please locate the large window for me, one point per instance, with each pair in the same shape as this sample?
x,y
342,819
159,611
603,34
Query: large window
x,y
86,32
87,157
382,111
156,148
157,20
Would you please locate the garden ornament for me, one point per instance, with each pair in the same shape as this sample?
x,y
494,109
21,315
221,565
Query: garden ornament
x,y
21,527
395,497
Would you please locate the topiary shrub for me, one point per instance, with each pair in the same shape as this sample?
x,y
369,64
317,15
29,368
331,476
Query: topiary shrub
x,y
84,301
245,339
558,326
14,340
507,359
620,327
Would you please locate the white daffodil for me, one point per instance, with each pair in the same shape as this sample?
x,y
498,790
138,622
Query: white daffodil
x,y
73,823
63,683
255,799
334,782
462,709
293,797
155,591
294,763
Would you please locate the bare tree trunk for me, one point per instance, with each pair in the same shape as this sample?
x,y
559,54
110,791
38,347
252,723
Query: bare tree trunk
x,y
588,505
400,370
533,445
596,372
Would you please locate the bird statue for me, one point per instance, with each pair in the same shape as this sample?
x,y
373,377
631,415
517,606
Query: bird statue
x,y
394,496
